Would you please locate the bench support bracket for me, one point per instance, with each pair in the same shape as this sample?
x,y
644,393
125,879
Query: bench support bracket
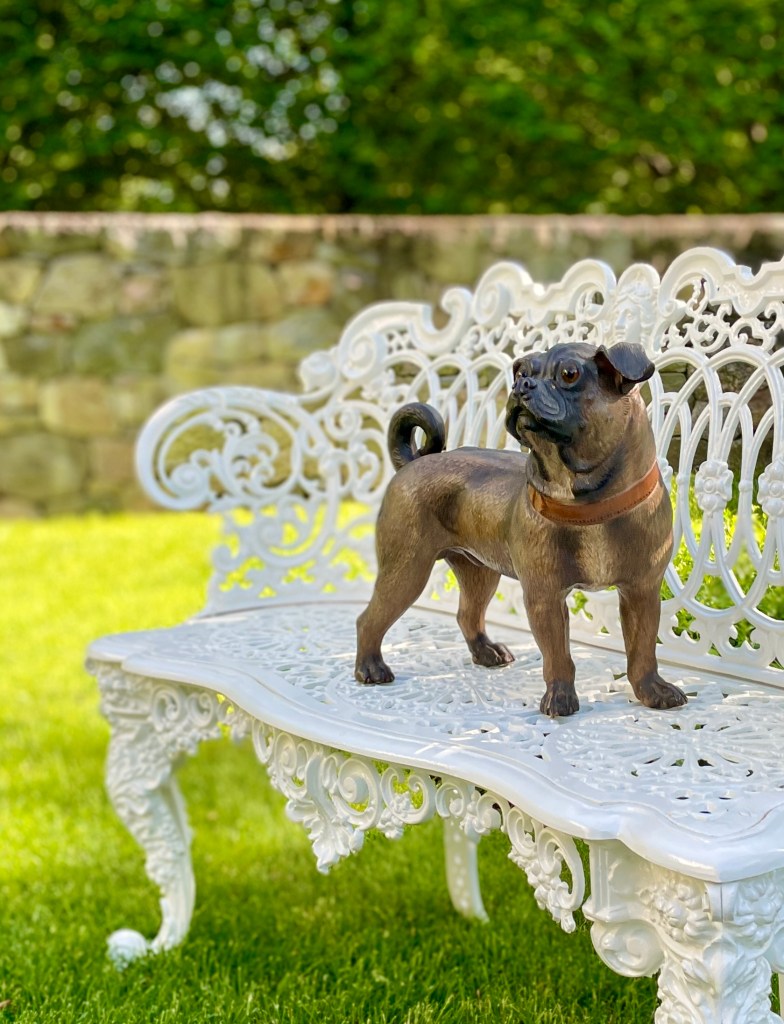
x,y
714,945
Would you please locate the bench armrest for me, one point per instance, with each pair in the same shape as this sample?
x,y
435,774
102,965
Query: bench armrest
x,y
225,447
278,472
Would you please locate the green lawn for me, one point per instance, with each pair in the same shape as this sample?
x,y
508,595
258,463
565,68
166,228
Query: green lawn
x,y
272,940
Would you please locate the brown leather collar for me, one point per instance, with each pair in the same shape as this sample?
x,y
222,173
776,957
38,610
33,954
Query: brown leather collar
x,y
590,513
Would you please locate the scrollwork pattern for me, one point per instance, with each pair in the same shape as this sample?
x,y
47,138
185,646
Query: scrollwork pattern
x,y
338,797
153,725
715,945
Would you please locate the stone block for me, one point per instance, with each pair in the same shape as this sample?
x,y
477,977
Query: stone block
x,y
214,237
84,285
111,461
50,235
263,293
270,376
209,294
18,508
133,499
37,355
40,466
18,422
239,343
78,407
615,248
178,240
18,394
136,240
125,344
12,320
19,279
188,349
302,332
307,283
450,257
275,246
410,286
53,323
134,397
147,291
73,504
190,378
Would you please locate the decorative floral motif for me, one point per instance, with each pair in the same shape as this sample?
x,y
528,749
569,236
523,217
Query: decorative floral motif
x,y
713,485
771,489
715,945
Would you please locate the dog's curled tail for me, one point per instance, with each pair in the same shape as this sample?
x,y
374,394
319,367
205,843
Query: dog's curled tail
x,y
400,436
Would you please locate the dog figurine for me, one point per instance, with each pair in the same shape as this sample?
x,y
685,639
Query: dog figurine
x,y
585,508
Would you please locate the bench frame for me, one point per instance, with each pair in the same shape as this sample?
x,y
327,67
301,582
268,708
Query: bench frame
x,y
298,480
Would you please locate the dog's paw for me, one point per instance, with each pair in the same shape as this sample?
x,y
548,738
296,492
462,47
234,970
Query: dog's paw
x,y
372,670
485,652
560,701
655,692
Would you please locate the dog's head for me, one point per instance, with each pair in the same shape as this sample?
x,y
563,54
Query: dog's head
x,y
574,396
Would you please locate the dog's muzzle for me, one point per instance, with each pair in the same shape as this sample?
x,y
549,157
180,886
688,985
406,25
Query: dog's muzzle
x,y
536,408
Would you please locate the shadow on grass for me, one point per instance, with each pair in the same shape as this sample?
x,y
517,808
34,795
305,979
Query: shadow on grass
x,y
274,941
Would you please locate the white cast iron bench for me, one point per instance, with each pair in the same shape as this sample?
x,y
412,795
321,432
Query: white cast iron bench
x,y
682,811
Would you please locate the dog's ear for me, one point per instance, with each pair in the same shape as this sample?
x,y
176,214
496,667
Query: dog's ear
x,y
516,365
626,365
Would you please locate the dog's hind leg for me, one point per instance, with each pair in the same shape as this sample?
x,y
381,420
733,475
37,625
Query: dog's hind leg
x,y
478,585
398,585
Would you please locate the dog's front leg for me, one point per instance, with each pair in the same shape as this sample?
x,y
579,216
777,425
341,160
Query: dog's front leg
x,y
640,613
548,618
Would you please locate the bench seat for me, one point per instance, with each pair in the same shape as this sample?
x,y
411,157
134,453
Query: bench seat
x,y
665,783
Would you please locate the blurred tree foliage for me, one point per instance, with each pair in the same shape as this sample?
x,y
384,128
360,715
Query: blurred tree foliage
x,y
434,106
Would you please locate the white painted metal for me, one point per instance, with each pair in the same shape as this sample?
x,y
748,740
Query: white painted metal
x,y
683,811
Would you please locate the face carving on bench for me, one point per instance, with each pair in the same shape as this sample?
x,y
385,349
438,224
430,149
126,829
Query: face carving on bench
x,y
584,508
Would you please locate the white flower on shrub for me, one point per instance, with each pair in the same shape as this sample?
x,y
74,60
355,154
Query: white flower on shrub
x,y
771,489
713,485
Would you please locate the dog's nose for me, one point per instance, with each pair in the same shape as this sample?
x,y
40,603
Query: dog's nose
x,y
524,385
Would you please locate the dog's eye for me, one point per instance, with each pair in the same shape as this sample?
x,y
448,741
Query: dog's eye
x,y
570,374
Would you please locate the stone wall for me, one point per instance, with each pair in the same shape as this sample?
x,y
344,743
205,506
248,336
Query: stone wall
x,y
104,316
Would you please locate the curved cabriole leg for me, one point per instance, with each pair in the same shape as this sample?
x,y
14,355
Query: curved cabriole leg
x,y
462,875
715,945
153,725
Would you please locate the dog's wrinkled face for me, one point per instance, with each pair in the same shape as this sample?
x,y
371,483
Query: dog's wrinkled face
x,y
555,393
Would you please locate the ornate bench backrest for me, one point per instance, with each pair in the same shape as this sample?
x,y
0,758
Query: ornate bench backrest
x,y
299,482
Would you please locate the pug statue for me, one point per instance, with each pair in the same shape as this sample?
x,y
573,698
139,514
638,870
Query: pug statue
x,y
585,508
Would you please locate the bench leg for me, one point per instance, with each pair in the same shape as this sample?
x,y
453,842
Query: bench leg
x,y
462,876
153,725
715,946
